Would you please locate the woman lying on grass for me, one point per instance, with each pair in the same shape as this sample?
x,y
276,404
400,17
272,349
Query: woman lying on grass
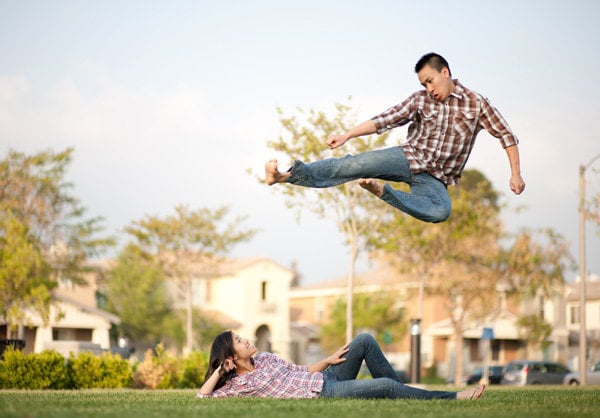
x,y
235,371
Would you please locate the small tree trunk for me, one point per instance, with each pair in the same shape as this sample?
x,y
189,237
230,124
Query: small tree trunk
x,y
189,322
350,296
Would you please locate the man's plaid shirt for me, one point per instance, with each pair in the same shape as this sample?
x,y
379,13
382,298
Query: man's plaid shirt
x,y
272,377
442,134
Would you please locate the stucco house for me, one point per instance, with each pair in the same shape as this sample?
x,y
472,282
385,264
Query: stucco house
x,y
250,297
572,319
311,306
254,298
75,322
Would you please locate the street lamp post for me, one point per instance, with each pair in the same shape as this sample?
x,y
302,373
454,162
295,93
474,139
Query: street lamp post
x,y
582,274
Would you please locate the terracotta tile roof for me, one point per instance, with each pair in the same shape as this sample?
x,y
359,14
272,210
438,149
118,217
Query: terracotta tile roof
x,y
381,275
592,290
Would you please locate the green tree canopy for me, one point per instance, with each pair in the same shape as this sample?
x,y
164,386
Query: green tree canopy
x,y
136,291
378,312
355,211
45,234
189,244
25,284
469,258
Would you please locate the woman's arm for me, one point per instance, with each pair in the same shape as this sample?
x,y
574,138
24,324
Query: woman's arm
x,y
209,385
335,358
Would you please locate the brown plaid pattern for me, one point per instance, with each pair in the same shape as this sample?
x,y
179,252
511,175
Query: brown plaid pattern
x,y
441,135
272,377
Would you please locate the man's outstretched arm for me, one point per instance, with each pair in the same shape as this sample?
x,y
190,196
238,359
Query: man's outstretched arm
x,y
517,184
366,128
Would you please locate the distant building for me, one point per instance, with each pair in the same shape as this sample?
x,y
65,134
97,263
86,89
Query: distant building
x,y
311,306
76,324
253,297
250,297
592,320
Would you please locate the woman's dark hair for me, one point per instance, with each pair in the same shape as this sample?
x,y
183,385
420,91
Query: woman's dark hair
x,y
435,61
221,349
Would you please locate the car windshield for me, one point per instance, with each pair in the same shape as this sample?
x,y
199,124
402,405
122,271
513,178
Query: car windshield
x,y
514,367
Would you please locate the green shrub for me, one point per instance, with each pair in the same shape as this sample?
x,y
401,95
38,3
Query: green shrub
x,y
148,373
104,371
191,370
50,370
163,371
45,370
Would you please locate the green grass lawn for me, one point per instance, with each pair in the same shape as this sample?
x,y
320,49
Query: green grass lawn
x,y
530,402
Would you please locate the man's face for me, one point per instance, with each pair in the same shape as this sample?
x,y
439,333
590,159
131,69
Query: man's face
x,y
438,84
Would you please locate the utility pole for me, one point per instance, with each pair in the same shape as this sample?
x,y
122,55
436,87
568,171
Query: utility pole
x,y
582,275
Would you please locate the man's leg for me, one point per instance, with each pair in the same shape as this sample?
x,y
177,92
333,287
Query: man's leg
x,y
427,201
273,175
388,164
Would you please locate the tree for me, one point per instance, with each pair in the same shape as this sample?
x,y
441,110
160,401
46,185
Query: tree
x,y
535,330
377,312
189,244
591,207
24,277
466,259
136,291
45,233
353,210
452,259
533,264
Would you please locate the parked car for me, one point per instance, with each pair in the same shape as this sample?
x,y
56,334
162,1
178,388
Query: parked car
x,y
593,376
530,372
494,376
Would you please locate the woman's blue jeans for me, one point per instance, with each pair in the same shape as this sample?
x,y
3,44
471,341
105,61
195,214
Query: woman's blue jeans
x,y
428,199
340,379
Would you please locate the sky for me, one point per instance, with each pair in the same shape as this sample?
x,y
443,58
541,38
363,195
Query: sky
x,y
173,102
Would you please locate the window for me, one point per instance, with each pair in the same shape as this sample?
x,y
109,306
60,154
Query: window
x,y
574,315
71,334
263,291
319,309
495,350
65,283
209,290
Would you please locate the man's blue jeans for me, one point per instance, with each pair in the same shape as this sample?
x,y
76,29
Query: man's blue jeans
x,y
428,199
340,379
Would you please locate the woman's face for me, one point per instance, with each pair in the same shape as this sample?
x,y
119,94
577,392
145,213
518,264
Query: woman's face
x,y
243,347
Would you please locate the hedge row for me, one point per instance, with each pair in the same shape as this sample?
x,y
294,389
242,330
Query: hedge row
x,y
50,370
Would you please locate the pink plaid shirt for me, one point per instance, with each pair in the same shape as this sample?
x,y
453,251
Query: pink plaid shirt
x,y
272,377
442,134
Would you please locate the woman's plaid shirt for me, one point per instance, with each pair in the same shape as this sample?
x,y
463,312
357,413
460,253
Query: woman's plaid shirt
x,y
442,134
272,377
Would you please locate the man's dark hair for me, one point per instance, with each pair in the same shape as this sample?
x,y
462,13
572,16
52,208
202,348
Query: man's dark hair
x,y
435,61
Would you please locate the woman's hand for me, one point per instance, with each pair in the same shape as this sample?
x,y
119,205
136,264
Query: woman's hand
x,y
336,358
227,366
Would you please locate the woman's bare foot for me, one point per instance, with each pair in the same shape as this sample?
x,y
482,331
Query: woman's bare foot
x,y
272,174
372,186
471,394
